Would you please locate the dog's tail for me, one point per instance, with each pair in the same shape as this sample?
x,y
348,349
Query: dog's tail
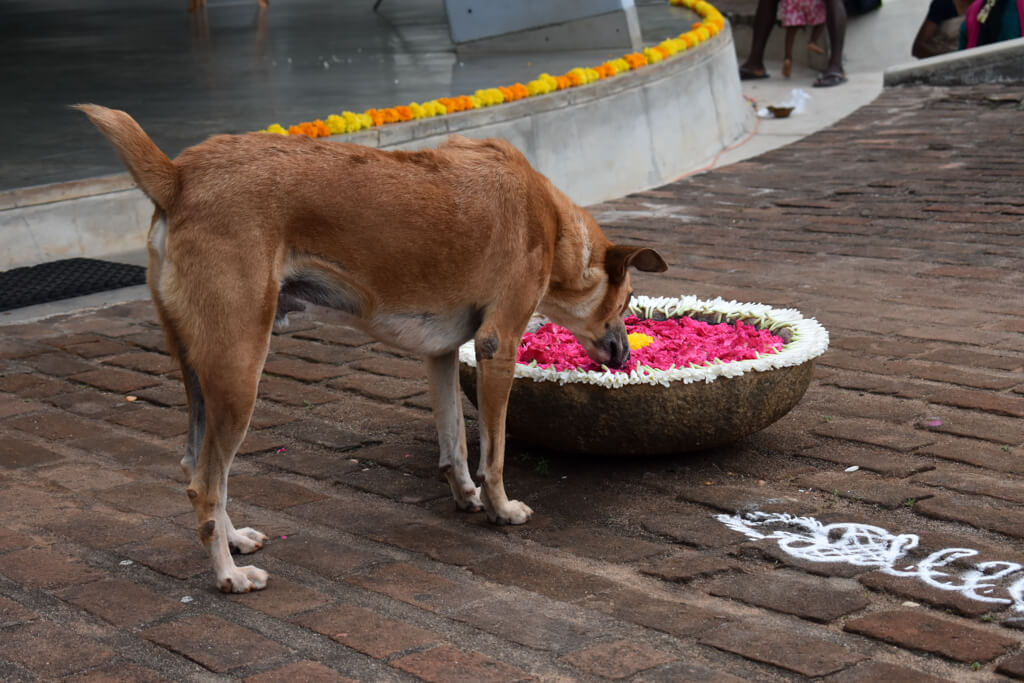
x,y
155,173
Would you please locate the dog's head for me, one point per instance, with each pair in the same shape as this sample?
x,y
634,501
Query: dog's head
x,y
589,289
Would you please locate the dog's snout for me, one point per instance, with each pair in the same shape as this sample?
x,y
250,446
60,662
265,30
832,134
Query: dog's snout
x,y
617,344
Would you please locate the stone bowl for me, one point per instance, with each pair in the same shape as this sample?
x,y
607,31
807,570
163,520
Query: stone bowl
x,y
656,412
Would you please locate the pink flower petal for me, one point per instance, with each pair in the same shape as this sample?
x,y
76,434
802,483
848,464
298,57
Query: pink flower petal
x,y
677,343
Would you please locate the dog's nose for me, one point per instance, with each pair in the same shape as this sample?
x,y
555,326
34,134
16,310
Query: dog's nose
x,y
617,344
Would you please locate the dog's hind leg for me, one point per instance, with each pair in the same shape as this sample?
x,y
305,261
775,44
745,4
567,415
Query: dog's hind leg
x,y
451,430
230,394
245,540
228,366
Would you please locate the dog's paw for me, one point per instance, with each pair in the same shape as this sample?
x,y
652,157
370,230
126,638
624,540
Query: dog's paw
x,y
516,512
245,540
243,580
470,502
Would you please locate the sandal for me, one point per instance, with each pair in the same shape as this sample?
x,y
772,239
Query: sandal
x,y
830,79
748,75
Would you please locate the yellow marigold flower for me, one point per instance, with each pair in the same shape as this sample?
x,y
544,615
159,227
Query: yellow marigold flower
x,y
351,121
477,102
652,55
550,80
538,87
336,125
276,128
620,64
703,33
638,340
365,121
584,75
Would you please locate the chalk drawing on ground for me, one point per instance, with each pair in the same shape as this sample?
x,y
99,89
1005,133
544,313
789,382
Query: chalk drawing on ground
x,y
865,545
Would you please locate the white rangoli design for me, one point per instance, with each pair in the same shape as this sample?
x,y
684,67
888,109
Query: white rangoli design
x,y
864,545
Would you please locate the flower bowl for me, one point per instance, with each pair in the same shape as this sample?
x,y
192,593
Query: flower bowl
x,y
659,412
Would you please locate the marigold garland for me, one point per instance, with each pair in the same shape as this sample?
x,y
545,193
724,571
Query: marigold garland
x,y
712,22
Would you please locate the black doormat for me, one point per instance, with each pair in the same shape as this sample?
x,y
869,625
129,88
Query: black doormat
x,y
64,279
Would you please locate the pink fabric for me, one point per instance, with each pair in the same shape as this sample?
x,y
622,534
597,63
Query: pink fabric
x,y
677,343
974,28
802,12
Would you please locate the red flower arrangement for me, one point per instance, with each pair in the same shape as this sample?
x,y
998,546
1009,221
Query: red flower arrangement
x,y
658,344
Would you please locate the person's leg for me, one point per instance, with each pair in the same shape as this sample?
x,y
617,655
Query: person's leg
x,y
835,23
764,20
787,63
814,43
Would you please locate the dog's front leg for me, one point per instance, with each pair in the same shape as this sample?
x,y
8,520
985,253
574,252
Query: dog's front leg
x,y
451,430
495,370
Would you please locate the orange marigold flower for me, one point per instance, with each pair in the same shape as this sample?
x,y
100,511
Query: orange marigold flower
x,y
563,82
404,113
635,60
663,50
376,116
520,90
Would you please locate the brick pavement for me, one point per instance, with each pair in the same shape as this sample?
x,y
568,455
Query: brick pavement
x,y
898,228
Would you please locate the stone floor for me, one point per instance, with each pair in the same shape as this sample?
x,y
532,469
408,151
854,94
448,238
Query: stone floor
x,y
902,238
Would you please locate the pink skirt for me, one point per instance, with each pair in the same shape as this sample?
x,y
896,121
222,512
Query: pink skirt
x,y
802,12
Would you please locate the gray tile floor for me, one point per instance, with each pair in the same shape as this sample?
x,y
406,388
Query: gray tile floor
x,y
232,68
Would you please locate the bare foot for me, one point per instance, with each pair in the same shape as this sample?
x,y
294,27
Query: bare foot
x,y
815,48
787,67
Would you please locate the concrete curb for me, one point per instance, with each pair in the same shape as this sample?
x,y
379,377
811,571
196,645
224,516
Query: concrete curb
x,y
997,63
595,142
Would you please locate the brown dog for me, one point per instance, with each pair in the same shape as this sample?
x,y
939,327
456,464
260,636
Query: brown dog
x,y
424,250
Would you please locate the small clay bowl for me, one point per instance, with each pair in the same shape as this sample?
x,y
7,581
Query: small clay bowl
x,y
779,112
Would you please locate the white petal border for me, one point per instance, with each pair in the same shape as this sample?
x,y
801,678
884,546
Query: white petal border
x,y
807,340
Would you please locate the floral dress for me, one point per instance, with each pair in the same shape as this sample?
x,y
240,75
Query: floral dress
x,y
802,12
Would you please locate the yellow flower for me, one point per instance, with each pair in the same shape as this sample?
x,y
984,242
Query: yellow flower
x,y
336,125
620,65
275,128
652,55
639,340
490,96
538,87
434,108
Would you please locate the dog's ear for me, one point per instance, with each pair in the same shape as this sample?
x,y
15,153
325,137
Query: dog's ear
x,y
618,258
